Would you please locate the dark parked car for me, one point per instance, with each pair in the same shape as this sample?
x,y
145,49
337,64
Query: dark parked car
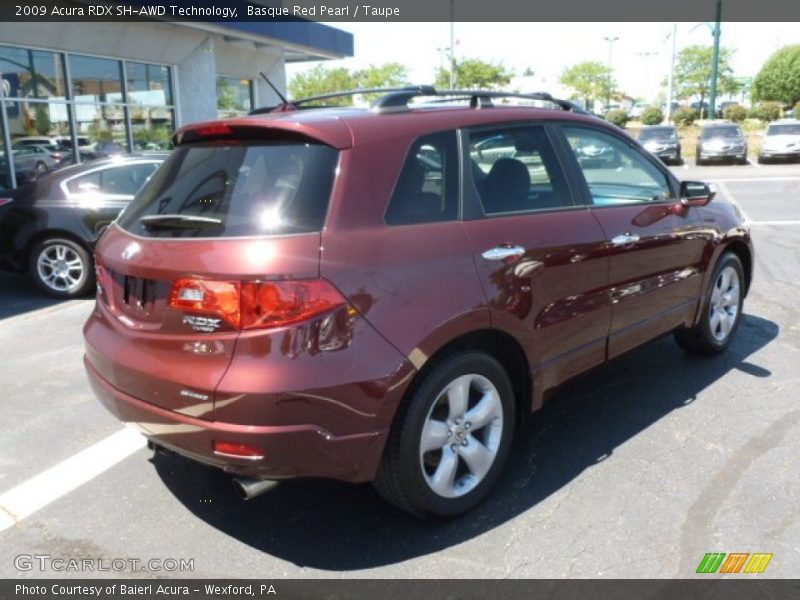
x,y
49,226
663,141
721,141
359,295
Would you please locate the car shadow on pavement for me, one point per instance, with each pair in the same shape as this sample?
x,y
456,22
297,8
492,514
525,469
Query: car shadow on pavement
x,y
341,527
18,295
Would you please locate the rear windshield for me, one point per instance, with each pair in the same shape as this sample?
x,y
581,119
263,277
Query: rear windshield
x,y
658,133
231,189
784,129
725,132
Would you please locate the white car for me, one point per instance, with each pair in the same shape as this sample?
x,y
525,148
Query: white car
x,y
781,141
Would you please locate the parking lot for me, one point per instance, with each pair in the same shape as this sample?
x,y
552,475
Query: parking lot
x,y
635,470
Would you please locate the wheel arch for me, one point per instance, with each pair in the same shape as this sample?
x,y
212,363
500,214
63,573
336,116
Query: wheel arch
x,y
499,345
745,256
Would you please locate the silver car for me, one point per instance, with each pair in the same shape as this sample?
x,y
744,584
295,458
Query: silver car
x,y
721,141
781,142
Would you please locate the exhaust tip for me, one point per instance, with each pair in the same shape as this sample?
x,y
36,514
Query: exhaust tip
x,y
249,488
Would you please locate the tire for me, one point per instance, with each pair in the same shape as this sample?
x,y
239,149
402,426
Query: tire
x,y
721,310
763,161
415,479
39,169
697,160
62,268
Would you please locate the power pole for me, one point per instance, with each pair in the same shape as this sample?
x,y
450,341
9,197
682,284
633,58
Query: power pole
x,y
610,41
712,100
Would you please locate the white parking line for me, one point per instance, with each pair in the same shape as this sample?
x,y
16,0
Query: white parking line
x,y
729,197
774,222
757,179
68,475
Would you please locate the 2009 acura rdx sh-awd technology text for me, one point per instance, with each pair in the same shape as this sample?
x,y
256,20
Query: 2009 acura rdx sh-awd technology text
x,y
381,294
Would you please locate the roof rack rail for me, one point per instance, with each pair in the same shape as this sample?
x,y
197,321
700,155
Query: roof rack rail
x,y
396,99
477,99
408,92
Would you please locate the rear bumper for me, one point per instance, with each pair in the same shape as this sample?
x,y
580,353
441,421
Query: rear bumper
x,y
290,451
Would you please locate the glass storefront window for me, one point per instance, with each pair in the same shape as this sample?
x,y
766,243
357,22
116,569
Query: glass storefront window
x,y
107,112
37,120
5,174
234,96
95,79
104,125
32,73
152,128
148,84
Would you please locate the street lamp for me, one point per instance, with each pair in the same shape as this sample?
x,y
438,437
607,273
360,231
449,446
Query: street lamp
x,y
610,41
646,79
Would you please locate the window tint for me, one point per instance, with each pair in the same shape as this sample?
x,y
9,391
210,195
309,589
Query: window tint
x,y
427,189
515,169
85,184
615,172
237,189
125,180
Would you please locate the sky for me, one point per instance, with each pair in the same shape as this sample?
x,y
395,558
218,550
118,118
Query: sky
x,y
640,57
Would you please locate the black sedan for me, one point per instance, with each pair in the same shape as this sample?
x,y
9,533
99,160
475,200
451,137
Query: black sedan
x,y
49,226
663,141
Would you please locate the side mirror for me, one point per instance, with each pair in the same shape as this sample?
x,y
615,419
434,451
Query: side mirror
x,y
696,193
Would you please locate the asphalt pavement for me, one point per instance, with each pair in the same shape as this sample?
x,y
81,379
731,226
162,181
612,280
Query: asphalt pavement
x,y
635,470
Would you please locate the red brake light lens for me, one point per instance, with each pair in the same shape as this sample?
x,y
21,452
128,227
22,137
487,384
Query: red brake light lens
x,y
4,201
218,130
256,305
280,303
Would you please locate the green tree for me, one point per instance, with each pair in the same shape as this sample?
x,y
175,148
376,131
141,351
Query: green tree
x,y
377,76
693,73
589,80
473,73
322,80
42,119
779,78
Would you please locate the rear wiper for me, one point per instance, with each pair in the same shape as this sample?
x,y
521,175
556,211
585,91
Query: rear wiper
x,y
178,221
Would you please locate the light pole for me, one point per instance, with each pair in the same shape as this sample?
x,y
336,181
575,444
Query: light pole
x,y
670,80
452,45
443,53
712,109
646,79
610,41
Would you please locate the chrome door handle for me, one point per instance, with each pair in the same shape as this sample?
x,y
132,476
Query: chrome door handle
x,y
624,239
503,252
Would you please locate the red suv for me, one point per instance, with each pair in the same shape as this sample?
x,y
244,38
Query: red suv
x,y
380,295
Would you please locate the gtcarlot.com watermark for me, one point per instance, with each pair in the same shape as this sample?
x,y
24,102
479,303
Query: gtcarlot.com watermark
x,y
59,564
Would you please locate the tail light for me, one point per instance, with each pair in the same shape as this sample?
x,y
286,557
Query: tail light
x,y
4,201
256,305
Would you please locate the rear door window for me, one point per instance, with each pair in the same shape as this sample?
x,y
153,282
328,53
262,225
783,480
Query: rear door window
x,y
233,189
427,189
515,169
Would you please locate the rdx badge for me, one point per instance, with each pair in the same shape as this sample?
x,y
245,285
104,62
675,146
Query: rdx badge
x,y
201,323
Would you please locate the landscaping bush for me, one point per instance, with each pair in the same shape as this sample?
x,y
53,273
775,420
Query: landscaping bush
x,y
618,117
652,115
684,116
797,111
765,111
735,112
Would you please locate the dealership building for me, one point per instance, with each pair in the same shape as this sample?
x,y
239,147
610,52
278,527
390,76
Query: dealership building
x,y
126,86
